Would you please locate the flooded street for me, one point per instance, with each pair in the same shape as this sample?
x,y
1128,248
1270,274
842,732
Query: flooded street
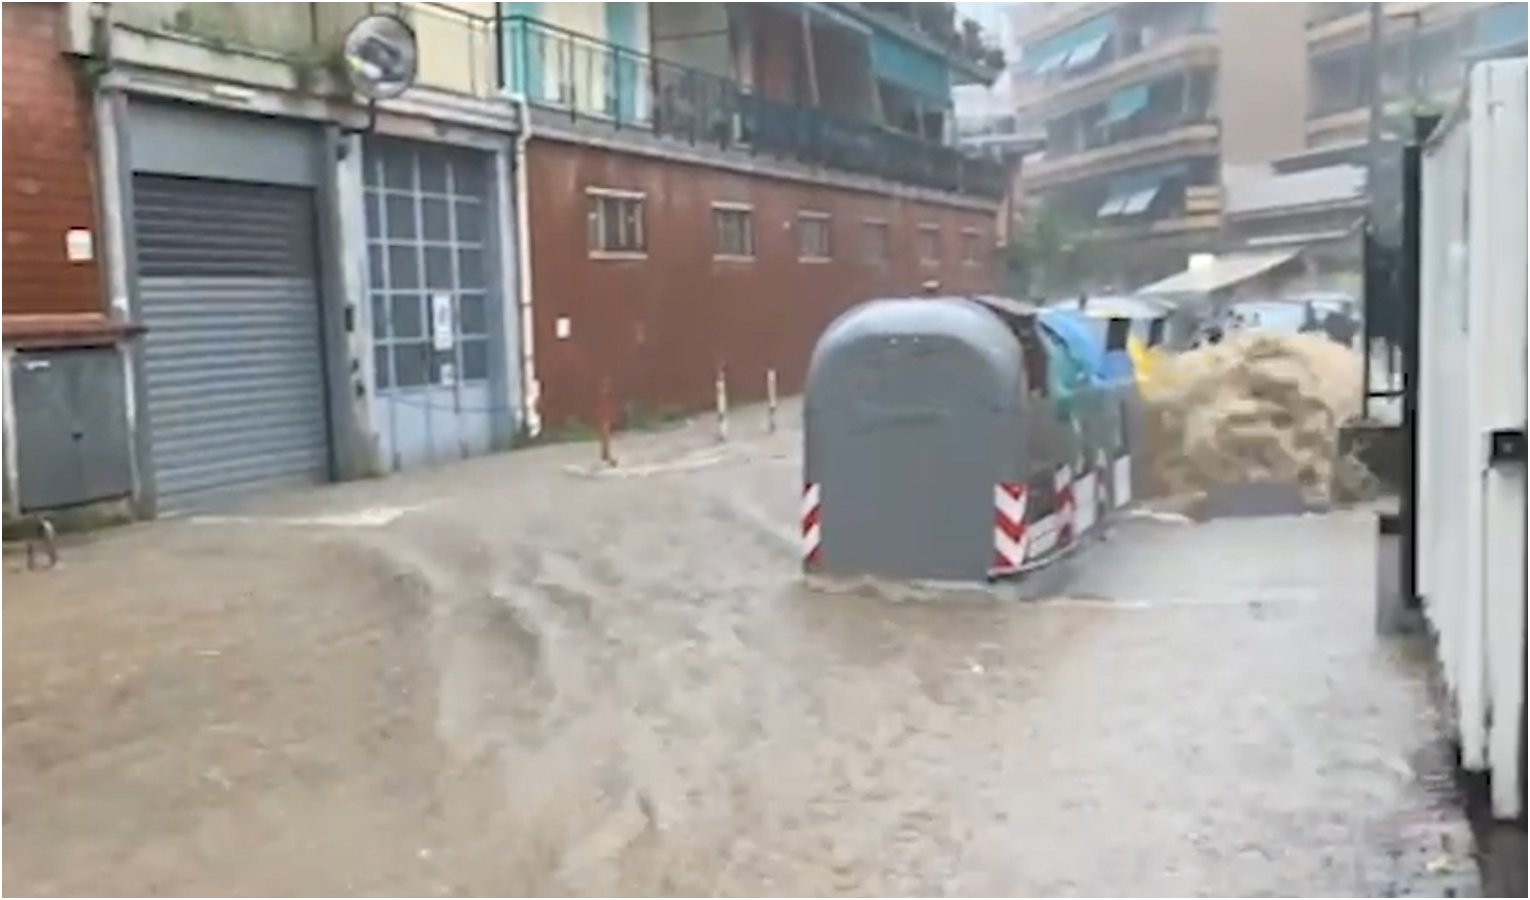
x,y
511,676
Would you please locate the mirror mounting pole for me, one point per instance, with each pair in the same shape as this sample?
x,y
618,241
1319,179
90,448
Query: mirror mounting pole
x,y
343,147
369,127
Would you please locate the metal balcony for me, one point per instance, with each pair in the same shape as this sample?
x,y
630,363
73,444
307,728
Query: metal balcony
x,y
586,78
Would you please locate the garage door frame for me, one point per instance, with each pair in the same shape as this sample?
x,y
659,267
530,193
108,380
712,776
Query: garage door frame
x,y
186,140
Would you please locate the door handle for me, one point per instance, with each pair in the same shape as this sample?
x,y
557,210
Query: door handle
x,y
1506,446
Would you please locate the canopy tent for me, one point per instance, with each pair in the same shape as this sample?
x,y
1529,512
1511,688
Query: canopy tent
x,y
1219,273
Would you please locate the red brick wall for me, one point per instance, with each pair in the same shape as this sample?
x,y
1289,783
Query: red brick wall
x,y
47,184
658,326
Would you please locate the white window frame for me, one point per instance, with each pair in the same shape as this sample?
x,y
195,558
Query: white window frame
x,y
641,197
813,215
976,237
934,228
731,207
886,227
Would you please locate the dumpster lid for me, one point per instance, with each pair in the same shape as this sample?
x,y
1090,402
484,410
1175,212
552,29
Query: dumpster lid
x,y
1006,305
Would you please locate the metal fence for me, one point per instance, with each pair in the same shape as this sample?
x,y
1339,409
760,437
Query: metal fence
x,y
1390,261
592,79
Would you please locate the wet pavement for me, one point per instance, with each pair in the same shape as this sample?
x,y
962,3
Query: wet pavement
x,y
520,675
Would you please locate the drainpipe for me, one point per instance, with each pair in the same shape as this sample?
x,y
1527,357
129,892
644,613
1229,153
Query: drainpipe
x,y
531,389
110,123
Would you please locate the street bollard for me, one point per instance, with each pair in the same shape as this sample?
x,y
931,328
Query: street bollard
x,y
42,551
722,403
605,412
770,401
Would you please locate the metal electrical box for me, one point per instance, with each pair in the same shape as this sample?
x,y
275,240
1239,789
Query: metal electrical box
x,y
71,427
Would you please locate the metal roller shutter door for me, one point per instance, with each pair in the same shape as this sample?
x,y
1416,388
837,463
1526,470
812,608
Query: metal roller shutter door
x,y
233,357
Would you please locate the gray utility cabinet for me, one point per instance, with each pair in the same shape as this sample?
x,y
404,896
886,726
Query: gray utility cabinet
x,y
71,427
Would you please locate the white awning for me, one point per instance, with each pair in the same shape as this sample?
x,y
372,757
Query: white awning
x,y
1222,272
1112,205
1050,63
1141,200
1131,200
1087,52
1302,239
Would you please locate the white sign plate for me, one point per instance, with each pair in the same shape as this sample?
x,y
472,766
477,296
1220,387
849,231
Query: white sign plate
x,y
441,330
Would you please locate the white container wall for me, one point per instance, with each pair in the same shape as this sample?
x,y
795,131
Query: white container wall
x,y
1472,539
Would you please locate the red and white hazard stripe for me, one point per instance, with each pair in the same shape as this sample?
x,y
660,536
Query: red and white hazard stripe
x,y
1067,506
1008,526
1121,488
812,526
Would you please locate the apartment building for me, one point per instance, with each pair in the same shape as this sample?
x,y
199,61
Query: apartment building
x,y
1142,103
1177,128
1426,48
226,272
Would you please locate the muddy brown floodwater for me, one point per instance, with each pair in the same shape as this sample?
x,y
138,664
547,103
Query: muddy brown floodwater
x,y
507,676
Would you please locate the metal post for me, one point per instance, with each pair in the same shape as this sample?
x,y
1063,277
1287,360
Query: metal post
x,y
812,64
1377,106
722,403
770,401
1370,316
1374,169
605,412
1413,66
616,85
1409,295
499,50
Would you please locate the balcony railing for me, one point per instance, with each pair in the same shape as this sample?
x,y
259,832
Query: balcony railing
x,y
587,78
1143,125
484,56
963,41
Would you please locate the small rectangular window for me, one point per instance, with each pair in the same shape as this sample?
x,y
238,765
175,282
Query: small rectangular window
x,y
972,246
878,241
813,237
616,222
929,244
733,231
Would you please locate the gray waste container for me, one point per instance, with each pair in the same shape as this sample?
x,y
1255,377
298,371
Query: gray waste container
x,y
913,429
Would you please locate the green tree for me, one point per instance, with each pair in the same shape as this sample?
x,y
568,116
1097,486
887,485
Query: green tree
x,y
1053,257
